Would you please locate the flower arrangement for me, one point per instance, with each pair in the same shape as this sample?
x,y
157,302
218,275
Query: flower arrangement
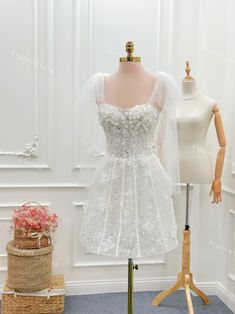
x,y
33,218
33,226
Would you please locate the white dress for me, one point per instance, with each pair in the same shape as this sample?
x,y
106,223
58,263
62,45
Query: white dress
x,y
130,210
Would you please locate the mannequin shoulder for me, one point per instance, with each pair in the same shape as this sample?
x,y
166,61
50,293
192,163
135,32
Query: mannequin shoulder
x,y
213,105
209,102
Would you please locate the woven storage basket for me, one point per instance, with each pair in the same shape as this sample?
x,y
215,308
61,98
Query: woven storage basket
x,y
30,239
29,270
25,240
50,300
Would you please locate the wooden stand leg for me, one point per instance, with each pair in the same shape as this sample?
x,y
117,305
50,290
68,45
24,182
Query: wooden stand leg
x,y
188,295
184,279
162,295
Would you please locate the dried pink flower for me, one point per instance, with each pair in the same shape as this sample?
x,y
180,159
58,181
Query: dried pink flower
x,y
31,217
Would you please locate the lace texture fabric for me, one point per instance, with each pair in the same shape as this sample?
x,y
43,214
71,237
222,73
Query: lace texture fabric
x,y
129,212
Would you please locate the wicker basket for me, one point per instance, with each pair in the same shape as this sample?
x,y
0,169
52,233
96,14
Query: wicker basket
x,y
25,239
29,270
50,300
31,239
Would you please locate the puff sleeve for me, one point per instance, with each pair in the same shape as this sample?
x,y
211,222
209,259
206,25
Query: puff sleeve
x,y
91,137
166,99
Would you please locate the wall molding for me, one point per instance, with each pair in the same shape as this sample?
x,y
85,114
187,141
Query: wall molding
x,y
74,185
119,285
226,296
50,77
231,277
31,149
75,79
232,212
231,245
18,204
118,263
158,31
228,190
43,185
21,167
80,10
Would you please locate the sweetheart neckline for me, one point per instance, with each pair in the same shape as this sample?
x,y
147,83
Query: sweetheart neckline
x,y
119,108
148,101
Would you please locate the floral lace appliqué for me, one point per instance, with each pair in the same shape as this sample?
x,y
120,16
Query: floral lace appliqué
x,y
130,209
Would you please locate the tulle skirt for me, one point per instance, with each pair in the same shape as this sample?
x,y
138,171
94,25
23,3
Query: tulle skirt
x,y
130,211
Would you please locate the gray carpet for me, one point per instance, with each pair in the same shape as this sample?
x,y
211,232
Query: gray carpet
x,y
116,303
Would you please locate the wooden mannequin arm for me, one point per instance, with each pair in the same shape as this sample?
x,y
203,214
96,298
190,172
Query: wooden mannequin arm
x,y
216,184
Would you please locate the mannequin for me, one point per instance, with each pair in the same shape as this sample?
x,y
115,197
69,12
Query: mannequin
x,y
131,84
194,115
128,118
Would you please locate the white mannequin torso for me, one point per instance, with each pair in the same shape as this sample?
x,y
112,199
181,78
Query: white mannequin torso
x,y
194,115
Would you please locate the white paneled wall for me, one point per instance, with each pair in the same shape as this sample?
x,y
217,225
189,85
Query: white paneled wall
x,y
48,50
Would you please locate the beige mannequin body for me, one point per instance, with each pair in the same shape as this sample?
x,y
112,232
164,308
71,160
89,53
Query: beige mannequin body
x,y
194,115
130,85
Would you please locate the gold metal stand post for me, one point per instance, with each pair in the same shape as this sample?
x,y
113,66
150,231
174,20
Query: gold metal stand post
x,y
131,268
185,277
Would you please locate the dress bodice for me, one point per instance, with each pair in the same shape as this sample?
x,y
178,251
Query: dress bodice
x,y
129,132
145,130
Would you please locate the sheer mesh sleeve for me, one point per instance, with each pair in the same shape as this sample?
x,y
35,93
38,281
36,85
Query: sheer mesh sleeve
x,y
92,145
166,97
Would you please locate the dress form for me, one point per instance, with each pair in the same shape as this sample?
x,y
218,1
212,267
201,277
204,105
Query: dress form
x,y
131,84
194,115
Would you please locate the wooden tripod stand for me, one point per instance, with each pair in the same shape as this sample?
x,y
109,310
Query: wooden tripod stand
x,y
185,277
